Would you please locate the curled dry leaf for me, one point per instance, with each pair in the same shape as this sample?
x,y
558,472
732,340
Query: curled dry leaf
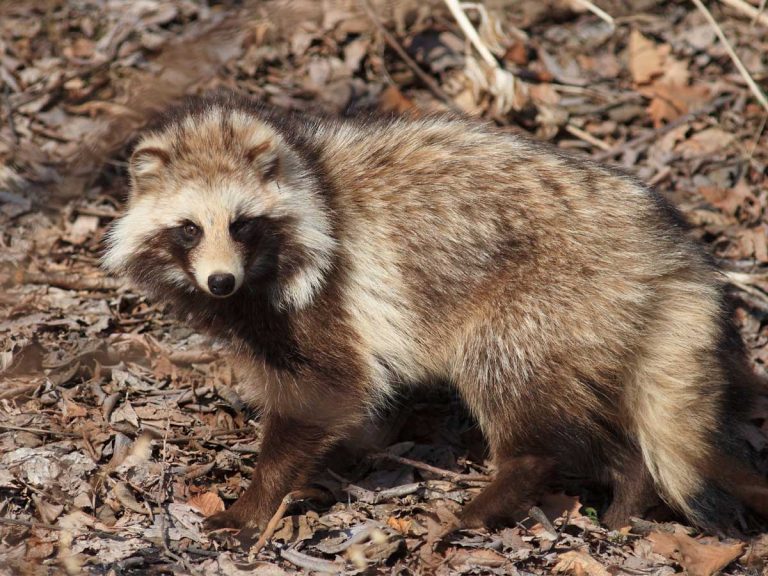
x,y
579,563
646,58
209,503
124,495
464,559
699,558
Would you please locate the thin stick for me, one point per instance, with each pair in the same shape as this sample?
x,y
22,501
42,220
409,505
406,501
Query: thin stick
x,y
39,431
410,62
653,134
732,53
10,113
586,137
311,562
503,84
756,139
68,281
597,11
288,499
756,14
471,33
455,476
43,526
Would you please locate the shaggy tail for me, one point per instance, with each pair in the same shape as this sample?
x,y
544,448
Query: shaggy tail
x,y
686,401
682,443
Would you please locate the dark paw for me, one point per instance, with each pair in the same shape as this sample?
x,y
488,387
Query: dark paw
x,y
227,520
615,520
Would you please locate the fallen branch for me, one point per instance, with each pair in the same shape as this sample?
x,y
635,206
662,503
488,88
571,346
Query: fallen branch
x,y
428,81
375,497
732,53
455,476
311,563
288,499
68,281
39,431
586,136
187,357
43,526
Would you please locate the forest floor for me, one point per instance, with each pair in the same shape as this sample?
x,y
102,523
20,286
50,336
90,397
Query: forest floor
x,y
120,429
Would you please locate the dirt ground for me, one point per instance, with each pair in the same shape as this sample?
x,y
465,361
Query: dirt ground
x,y
120,429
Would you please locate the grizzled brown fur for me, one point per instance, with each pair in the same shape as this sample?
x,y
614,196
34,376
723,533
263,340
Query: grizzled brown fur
x,y
585,331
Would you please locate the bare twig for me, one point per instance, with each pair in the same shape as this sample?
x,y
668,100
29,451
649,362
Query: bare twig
x,y
586,137
471,33
68,281
288,499
428,81
748,283
311,563
756,14
658,132
44,526
597,11
503,84
10,111
215,433
538,514
39,431
732,53
455,476
165,539
756,139
186,357
375,497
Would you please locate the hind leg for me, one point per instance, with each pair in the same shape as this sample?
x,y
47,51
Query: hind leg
x,y
525,427
518,484
634,492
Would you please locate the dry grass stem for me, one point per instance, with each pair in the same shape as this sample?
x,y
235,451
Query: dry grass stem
x,y
732,53
428,81
596,10
756,14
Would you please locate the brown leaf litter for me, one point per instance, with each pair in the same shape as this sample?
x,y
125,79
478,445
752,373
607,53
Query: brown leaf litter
x,y
121,430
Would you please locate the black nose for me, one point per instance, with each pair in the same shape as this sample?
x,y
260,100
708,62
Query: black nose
x,y
221,284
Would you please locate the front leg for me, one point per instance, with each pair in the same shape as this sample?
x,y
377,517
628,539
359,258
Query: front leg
x,y
290,449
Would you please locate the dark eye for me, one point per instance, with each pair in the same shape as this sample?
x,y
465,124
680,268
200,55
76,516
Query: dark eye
x,y
191,231
188,234
244,229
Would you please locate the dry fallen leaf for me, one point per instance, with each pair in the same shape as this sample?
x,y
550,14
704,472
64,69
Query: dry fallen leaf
x,y
209,503
753,243
464,559
663,79
402,525
392,100
579,563
560,504
729,200
646,58
124,495
670,101
697,557
705,142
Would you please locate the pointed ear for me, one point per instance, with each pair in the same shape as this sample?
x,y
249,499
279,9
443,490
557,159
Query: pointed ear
x,y
148,160
265,157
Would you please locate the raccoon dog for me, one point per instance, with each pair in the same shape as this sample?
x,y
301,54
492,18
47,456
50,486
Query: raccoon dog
x,y
341,259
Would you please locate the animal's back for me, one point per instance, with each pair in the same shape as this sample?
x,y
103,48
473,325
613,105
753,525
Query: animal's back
x,y
563,299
